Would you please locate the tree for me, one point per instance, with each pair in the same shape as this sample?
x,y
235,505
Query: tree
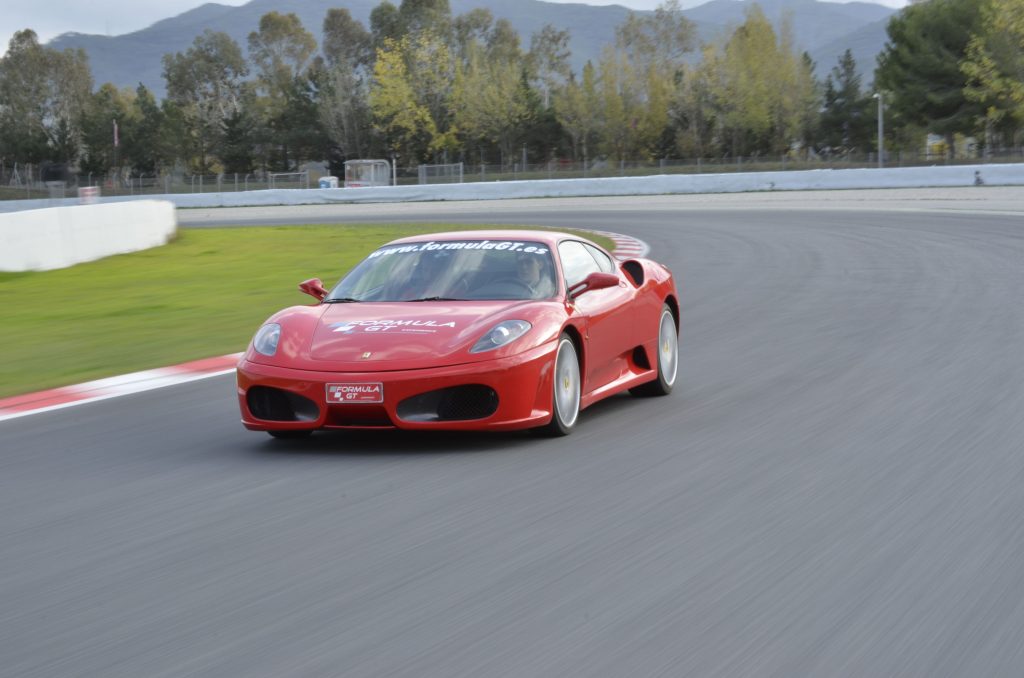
x,y
750,69
281,51
147,141
42,95
577,109
69,85
237,141
693,107
345,41
344,112
430,69
548,59
503,42
800,107
653,48
22,71
205,84
994,66
472,27
406,126
919,69
491,102
418,16
385,24
662,38
762,91
176,142
342,87
107,106
621,127
846,120
22,99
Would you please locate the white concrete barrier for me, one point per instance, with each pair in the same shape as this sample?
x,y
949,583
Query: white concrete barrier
x,y
1011,174
57,237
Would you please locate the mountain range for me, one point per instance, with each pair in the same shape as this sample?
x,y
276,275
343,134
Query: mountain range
x,y
823,29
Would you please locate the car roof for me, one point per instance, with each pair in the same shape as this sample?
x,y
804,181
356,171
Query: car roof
x,y
551,238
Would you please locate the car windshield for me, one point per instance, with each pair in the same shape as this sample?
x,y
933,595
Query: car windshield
x,y
451,270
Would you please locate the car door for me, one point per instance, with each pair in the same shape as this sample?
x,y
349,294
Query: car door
x,y
609,327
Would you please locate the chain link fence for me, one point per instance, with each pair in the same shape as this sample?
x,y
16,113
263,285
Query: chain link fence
x,y
563,169
32,182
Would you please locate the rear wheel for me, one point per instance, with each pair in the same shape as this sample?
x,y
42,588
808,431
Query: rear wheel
x,y
668,358
290,435
565,396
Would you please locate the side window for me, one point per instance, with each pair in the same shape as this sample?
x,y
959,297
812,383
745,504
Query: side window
x,y
577,263
603,262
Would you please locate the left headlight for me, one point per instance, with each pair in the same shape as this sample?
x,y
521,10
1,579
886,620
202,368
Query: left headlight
x,y
501,334
266,339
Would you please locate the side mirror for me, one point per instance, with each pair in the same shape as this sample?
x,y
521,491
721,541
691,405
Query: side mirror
x,y
314,288
594,281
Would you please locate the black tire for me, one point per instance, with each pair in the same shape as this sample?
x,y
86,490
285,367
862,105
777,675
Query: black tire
x,y
667,358
566,390
290,435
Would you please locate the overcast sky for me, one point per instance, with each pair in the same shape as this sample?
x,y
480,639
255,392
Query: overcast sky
x,y
50,18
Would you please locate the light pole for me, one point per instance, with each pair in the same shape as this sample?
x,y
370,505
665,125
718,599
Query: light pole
x,y
881,130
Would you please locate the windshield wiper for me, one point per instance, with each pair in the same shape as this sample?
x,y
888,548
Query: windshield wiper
x,y
342,300
436,299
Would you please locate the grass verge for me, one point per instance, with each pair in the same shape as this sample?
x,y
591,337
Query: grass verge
x,y
202,295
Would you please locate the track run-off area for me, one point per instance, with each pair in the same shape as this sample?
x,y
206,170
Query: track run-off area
x,y
835,488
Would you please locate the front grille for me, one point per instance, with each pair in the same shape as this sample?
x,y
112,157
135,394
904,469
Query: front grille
x,y
274,404
358,416
458,403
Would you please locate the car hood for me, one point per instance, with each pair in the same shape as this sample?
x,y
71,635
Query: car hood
x,y
369,335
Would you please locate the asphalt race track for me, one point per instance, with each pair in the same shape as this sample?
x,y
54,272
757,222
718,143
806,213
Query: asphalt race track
x,y
836,488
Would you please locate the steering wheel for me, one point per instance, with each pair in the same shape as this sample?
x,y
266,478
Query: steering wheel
x,y
507,285
459,288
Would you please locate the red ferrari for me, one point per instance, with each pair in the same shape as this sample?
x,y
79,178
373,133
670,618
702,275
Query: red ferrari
x,y
471,330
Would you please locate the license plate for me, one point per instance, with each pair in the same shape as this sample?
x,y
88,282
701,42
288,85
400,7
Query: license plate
x,y
355,394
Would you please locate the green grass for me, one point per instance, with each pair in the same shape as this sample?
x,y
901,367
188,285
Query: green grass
x,y
202,295
8,193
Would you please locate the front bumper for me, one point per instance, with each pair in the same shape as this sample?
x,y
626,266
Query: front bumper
x,y
522,384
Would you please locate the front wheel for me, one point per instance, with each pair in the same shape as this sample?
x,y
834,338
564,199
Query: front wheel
x,y
668,358
565,396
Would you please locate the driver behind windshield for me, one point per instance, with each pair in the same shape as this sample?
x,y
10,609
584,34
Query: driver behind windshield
x,y
532,271
461,271
429,277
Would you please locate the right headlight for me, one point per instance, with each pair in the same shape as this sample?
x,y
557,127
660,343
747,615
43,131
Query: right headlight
x,y
501,334
266,339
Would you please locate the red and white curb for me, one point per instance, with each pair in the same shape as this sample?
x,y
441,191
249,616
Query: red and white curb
x,y
626,247
112,387
136,382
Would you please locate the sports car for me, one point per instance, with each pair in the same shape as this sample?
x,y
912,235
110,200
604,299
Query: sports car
x,y
471,330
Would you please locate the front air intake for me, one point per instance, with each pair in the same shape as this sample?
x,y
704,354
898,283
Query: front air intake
x,y
274,404
457,403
